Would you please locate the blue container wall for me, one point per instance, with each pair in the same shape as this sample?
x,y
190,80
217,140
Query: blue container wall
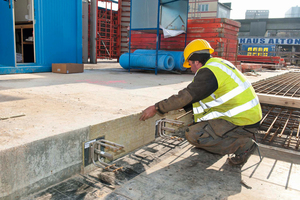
x,y
7,42
58,31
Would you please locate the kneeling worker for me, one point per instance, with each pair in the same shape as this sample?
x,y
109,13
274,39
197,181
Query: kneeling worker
x,y
226,109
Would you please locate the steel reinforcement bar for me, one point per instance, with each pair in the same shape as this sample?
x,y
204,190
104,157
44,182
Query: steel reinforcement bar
x,y
283,85
280,126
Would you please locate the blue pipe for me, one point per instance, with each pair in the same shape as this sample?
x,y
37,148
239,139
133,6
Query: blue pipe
x,y
177,55
165,61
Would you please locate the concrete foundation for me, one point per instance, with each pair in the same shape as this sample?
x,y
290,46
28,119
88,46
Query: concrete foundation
x,y
47,118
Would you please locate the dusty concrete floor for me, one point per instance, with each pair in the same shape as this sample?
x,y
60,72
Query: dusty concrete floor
x,y
36,106
171,170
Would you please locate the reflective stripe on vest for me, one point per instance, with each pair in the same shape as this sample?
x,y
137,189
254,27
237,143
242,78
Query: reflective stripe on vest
x,y
229,95
232,112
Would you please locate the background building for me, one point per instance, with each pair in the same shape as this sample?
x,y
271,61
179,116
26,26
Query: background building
x,y
278,36
257,14
208,9
293,12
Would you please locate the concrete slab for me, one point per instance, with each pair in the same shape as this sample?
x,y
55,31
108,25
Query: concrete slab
x,y
46,117
50,103
45,104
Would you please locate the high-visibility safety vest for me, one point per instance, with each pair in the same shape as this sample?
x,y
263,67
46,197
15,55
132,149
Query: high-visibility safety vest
x,y
234,100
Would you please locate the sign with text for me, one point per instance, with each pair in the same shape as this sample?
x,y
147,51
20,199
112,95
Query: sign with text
x,y
285,41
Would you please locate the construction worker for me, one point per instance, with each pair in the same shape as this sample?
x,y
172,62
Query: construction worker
x,y
226,109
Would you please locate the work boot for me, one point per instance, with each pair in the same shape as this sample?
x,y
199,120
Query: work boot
x,y
242,158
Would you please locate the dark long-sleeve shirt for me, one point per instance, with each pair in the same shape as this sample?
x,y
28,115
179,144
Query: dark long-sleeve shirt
x,y
204,84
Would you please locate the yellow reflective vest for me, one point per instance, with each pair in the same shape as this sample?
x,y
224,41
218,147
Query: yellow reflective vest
x,y
234,100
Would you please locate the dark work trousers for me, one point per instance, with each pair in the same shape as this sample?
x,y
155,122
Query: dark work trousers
x,y
220,136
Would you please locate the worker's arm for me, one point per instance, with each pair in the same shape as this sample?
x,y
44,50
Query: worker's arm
x,y
204,84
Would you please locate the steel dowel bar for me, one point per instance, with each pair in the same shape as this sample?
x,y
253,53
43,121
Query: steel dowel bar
x,y
108,146
92,151
104,154
298,142
173,121
284,127
297,135
291,135
289,139
159,128
271,126
275,133
168,129
112,143
266,115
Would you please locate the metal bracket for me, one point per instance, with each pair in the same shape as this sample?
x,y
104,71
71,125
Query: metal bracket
x,y
161,128
95,151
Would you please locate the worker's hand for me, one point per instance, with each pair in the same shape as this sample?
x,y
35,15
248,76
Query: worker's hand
x,y
148,113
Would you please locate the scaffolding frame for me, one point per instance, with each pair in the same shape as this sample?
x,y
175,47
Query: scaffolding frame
x,y
108,30
157,30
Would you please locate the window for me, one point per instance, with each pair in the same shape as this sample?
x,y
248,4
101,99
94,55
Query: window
x,y
203,8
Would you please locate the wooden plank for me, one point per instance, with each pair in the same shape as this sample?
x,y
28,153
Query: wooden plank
x,y
24,26
279,100
214,20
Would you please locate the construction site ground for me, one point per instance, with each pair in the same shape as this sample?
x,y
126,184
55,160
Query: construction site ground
x,y
41,105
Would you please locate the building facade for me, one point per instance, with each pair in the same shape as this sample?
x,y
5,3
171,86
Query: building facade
x,y
201,9
278,36
257,14
293,12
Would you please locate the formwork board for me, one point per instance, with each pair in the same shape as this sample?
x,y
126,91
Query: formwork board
x,y
259,59
214,25
221,36
205,32
140,38
211,30
213,35
215,20
107,33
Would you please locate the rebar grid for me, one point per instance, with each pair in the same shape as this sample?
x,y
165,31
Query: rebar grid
x,y
287,84
280,126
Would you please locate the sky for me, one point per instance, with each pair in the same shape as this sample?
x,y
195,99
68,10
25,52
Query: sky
x,y
277,9
108,4
239,7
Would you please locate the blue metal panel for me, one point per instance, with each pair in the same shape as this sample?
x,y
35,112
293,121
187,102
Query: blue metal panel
x,y
7,37
58,31
25,68
144,14
174,15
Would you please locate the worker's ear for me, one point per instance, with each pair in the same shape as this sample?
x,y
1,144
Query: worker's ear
x,y
196,62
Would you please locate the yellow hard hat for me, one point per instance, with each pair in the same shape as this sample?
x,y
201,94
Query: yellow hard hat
x,y
195,46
